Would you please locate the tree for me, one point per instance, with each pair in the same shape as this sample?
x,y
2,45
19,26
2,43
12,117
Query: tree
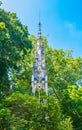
x,y
0,3
14,43
63,70
72,105
23,112
19,110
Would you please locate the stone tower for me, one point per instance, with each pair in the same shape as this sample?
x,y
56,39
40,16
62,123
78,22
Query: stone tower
x,y
39,74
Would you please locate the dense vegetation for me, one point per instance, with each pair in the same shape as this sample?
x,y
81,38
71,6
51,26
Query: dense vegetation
x,y
19,109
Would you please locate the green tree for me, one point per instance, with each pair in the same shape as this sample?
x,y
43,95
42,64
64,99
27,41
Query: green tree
x,y
72,105
21,111
24,112
14,43
63,70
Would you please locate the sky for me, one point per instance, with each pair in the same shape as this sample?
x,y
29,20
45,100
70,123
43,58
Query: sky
x,y
61,21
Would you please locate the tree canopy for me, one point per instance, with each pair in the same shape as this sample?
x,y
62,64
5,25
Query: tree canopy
x,y
19,109
14,43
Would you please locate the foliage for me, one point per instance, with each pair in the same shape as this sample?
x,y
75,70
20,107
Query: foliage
x,y
65,69
72,105
23,112
0,3
19,109
66,124
14,43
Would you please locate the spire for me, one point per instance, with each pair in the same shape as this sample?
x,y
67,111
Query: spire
x,y
39,30
39,73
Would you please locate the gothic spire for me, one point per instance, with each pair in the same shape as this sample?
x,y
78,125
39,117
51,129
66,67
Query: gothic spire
x,y
39,73
39,31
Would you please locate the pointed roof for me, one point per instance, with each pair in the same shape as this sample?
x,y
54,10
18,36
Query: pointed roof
x,y
39,30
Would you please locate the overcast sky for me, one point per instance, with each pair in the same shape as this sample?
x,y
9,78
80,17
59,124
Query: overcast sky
x,y
61,20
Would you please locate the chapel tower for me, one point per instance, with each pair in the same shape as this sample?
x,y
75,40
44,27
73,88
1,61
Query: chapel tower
x,y
39,73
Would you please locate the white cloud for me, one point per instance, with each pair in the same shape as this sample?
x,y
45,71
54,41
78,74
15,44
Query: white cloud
x,y
73,31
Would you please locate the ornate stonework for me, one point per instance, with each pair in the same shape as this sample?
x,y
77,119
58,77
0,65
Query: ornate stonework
x,y
39,74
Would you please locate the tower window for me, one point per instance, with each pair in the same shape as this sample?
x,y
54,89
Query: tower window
x,y
43,78
35,78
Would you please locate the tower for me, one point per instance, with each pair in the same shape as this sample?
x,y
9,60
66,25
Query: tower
x,y
39,73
